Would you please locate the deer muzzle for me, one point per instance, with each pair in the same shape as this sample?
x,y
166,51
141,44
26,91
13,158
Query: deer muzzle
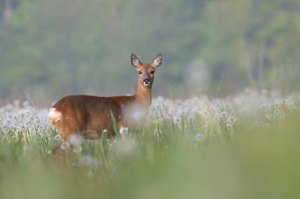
x,y
147,82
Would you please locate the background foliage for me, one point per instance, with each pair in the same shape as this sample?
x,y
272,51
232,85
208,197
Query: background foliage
x,y
50,48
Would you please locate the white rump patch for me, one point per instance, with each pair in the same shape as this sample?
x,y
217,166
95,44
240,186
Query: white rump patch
x,y
54,115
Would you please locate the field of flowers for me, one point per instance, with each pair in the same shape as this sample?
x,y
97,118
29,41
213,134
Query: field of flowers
x,y
242,146
263,107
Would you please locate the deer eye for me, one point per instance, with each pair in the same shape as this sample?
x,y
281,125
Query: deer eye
x,y
152,72
140,72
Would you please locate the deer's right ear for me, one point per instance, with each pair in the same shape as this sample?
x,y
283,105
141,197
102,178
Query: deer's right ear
x,y
135,61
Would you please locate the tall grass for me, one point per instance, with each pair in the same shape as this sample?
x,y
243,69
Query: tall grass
x,y
207,155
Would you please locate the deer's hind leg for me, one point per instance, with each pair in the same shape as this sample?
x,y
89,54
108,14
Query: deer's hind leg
x,y
67,127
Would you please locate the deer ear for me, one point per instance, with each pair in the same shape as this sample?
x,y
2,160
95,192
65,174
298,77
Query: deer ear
x,y
157,61
135,61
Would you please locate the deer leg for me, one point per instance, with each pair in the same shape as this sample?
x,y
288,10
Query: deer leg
x,y
123,130
66,128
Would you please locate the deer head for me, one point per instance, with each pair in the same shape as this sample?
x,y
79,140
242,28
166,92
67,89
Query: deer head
x,y
145,71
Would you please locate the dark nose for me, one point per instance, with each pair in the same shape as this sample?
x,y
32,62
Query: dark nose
x,y
147,81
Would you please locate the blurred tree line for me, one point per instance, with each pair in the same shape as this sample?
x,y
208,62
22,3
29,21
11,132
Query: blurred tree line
x,y
49,48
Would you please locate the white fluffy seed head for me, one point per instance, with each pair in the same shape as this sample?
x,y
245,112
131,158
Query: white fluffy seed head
x,y
135,113
75,140
65,145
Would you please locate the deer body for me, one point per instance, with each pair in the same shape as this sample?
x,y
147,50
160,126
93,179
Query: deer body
x,y
90,116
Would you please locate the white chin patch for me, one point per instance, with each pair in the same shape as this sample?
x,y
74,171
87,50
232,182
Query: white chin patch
x,y
145,84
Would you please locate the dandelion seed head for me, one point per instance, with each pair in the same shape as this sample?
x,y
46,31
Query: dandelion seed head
x,y
65,145
229,125
75,139
104,131
135,113
77,149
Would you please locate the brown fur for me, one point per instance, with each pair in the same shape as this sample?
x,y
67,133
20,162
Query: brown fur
x,y
91,115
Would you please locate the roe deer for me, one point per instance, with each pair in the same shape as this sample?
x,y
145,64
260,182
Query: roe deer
x,y
89,116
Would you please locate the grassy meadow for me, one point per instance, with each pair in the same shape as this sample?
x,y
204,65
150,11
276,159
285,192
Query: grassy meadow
x,y
244,146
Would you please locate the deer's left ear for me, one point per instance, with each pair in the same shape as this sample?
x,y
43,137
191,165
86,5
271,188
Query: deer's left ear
x,y
157,61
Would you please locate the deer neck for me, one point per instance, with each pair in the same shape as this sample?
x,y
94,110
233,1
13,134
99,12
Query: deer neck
x,y
144,94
